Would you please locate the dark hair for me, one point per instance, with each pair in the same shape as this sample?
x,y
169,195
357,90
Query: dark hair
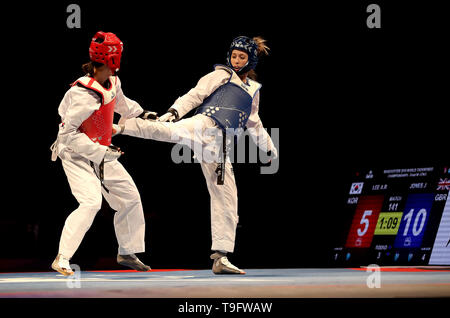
x,y
88,68
252,75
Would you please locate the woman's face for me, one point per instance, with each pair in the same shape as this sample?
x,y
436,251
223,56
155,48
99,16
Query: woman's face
x,y
238,59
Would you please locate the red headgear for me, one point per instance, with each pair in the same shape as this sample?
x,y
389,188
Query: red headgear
x,y
106,48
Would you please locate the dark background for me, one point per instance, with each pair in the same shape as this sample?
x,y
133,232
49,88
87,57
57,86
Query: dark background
x,y
343,97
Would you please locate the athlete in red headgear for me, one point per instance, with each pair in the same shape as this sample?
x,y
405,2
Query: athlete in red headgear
x,y
90,160
106,48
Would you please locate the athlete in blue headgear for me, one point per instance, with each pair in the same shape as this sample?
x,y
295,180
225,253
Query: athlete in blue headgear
x,y
243,44
226,99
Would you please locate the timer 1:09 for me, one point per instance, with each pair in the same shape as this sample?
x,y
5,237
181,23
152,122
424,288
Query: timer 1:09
x,y
391,223
388,223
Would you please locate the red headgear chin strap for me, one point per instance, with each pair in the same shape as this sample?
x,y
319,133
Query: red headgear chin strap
x,y
106,48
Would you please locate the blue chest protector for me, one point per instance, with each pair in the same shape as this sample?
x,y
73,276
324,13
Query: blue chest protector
x,y
230,105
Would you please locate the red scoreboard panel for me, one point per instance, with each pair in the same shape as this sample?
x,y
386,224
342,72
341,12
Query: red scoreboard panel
x,y
364,221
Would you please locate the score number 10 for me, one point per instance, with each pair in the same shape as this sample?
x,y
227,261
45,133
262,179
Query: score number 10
x,y
421,215
413,225
411,235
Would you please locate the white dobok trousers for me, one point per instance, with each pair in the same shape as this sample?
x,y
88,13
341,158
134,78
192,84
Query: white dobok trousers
x,y
123,197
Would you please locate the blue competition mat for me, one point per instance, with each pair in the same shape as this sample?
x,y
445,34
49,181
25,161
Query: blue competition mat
x,y
317,283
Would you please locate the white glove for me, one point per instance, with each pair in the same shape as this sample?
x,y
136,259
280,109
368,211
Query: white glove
x,y
167,117
112,153
170,116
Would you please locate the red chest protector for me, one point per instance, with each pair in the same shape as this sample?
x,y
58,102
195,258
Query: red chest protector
x,y
98,127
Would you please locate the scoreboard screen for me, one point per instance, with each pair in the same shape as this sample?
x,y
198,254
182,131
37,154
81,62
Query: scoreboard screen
x,y
396,217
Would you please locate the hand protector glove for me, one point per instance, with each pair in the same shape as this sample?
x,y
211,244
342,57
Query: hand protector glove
x,y
146,114
170,116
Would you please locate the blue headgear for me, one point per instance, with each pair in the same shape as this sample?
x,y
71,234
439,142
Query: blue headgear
x,y
247,45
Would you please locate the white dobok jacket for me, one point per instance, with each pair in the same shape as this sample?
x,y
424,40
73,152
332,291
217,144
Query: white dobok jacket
x,y
77,105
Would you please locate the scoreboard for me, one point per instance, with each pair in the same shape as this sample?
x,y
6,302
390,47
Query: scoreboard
x,y
396,217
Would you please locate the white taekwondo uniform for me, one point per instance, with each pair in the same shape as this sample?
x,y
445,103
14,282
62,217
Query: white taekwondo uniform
x,y
224,200
81,157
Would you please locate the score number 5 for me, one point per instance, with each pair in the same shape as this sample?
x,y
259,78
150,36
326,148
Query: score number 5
x,y
363,226
365,221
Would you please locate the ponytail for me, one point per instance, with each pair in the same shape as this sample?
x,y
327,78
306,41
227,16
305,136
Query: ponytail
x,y
262,49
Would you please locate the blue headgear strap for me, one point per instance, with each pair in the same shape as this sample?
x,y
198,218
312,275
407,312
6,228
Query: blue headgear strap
x,y
247,45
